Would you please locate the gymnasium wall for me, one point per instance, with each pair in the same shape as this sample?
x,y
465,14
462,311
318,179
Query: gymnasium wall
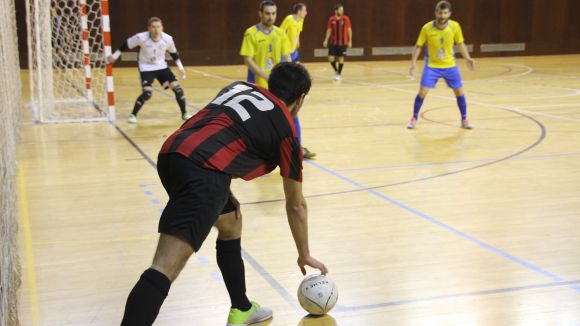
x,y
209,32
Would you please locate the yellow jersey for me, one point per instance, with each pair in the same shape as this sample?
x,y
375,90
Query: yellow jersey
x,y
293,29
266,48
439,43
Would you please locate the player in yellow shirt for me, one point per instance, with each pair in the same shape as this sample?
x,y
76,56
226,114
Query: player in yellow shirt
x,y
439,37
264,45
293,25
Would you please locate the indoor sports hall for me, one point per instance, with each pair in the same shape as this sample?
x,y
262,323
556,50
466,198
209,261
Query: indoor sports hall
x,y
433,225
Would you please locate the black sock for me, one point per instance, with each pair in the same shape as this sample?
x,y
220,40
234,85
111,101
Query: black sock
x,y
137,106
146,298
229,259
340,65
180,98
333,64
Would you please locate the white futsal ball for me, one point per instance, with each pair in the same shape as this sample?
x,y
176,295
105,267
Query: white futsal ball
x,y
317,294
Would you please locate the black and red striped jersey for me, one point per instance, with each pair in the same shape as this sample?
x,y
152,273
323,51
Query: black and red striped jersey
x,y
245,132
339,30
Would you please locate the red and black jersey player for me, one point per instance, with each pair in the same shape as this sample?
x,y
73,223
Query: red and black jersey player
x,y
245,132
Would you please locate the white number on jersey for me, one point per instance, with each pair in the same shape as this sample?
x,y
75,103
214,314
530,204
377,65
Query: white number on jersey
x,y
259,101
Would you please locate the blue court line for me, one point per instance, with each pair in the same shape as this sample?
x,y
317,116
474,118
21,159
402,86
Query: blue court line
x,y
272,281
402,166
521,262
340,308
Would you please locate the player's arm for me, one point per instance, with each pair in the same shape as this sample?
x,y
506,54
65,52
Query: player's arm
x,y
328,32
253,66
124,47
350,37
465,54
414,56
296,210
172,49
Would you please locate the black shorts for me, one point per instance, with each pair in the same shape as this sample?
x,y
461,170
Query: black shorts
x,y
197,197
164,76
337,50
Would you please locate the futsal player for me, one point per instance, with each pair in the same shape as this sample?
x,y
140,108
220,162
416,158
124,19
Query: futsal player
x,y
292,25
153,45
439,36
339,32
245,132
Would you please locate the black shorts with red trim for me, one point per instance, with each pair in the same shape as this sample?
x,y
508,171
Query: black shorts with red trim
x,y
197,197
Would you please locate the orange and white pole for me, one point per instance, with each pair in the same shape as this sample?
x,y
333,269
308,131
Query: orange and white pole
x,y
86,50
108,52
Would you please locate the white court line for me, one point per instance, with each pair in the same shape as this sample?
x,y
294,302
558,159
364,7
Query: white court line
x,y
548,106
575,91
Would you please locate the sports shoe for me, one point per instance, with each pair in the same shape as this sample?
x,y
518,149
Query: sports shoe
x,y
412,123
337,76
186,116
465,124
256,314
132,118
307,154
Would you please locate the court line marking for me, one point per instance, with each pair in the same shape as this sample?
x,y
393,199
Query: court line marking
x,y
340,308
403,166
30,267
417,213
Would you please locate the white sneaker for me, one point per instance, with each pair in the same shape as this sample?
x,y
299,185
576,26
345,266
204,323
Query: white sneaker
x,y
132,118
465,124
412,123
337,76
256,314
186,116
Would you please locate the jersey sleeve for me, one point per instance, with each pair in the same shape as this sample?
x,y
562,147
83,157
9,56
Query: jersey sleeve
x,y
285,24
134,41
291,159
171,45
347,22
247,49
329,25
458,37
422,37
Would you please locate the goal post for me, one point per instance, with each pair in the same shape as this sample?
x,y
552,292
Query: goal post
x,y
68,43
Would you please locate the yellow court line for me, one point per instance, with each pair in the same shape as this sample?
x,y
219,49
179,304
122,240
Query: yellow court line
x,y
33,294
112,240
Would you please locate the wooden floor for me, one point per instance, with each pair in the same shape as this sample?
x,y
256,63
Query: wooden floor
x,y
434,226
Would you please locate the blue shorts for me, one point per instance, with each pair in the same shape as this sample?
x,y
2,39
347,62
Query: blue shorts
x,y
431,76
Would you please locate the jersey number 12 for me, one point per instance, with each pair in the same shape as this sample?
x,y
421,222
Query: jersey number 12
x,y
234,99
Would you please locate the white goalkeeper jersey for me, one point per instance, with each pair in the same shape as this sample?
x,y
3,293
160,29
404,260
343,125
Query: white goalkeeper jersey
x,y
152,53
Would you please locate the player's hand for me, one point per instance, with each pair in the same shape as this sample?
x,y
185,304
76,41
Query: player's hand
x,y
470,64
312,262
349,44
298,44
412,70
236,205
182,72
111,59
325,43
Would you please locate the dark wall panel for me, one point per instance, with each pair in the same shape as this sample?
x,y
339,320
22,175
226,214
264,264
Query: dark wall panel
x,y
209,32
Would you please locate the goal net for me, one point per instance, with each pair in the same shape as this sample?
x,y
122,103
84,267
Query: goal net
x,y
68,42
